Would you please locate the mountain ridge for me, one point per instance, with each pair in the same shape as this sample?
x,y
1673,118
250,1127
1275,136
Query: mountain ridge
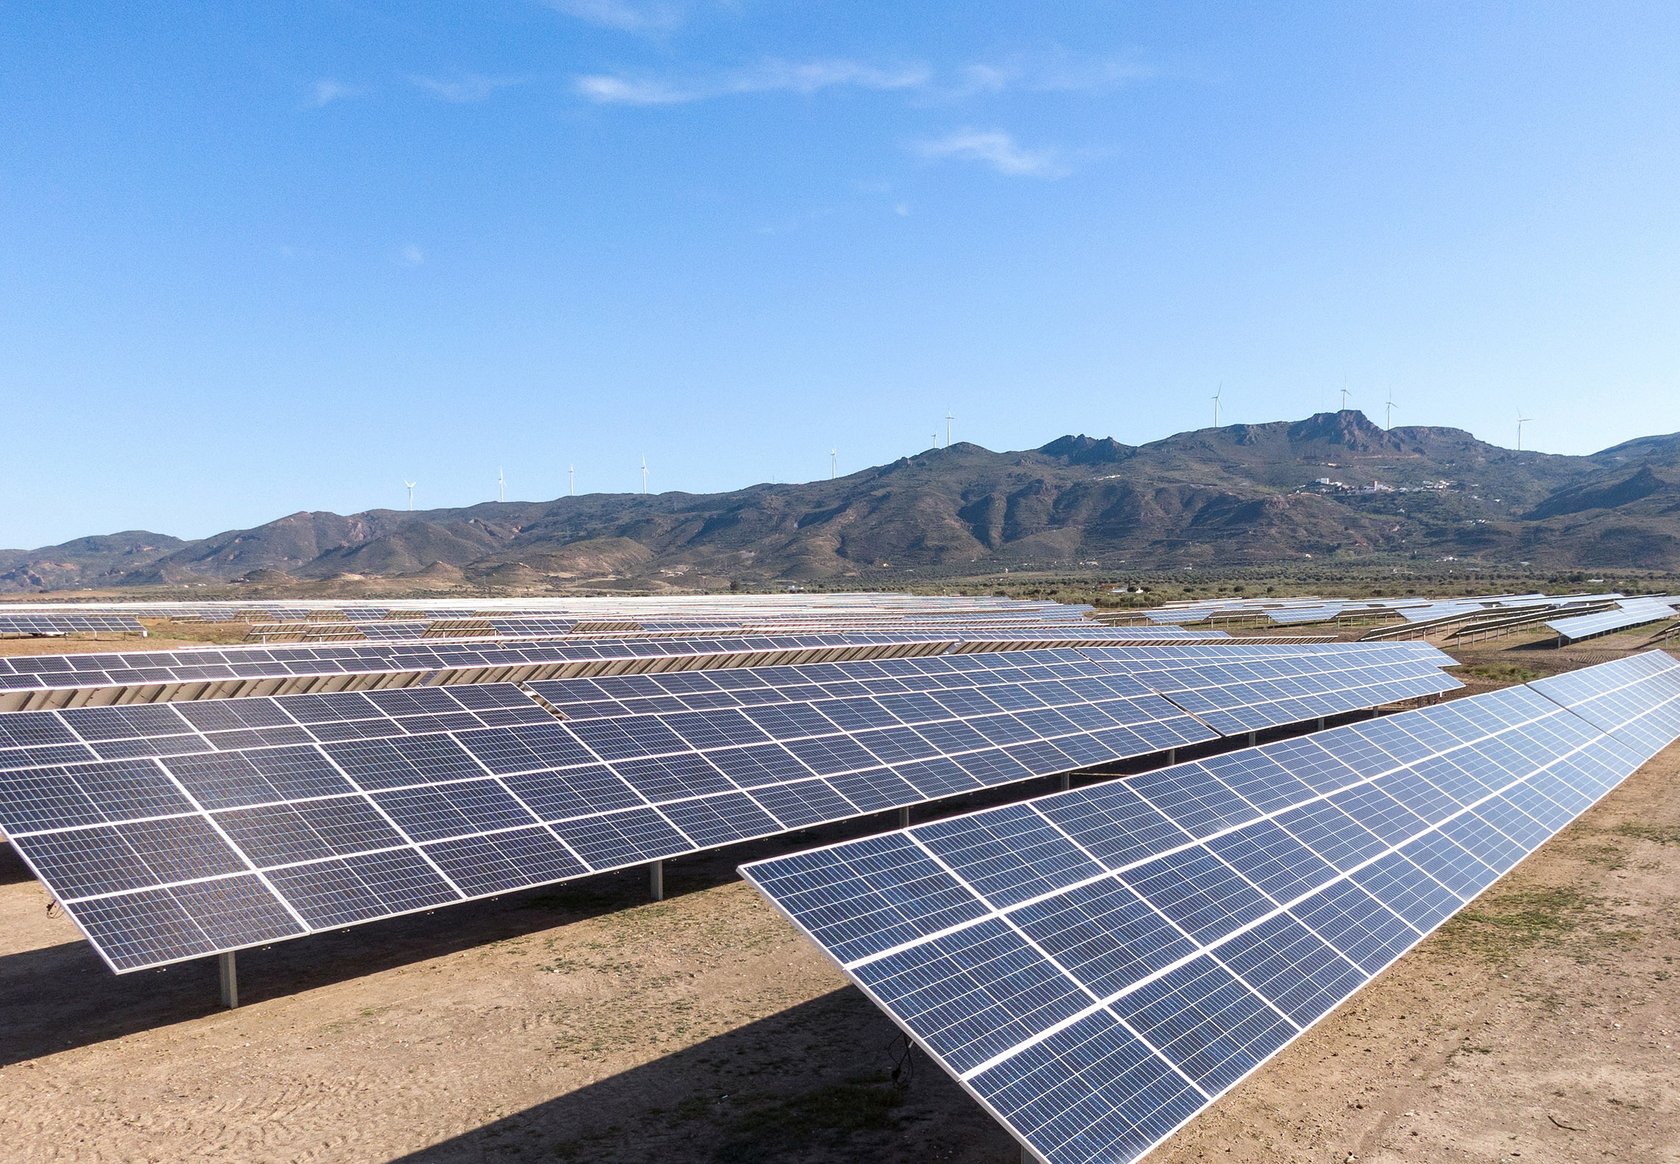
x,y
1331,485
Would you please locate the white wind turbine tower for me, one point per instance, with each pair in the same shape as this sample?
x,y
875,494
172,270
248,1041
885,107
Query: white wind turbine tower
x,y
409,485
1344,397
948,419
1216,397
501,485
1521,420
571,480
833,463
1389,423
644,477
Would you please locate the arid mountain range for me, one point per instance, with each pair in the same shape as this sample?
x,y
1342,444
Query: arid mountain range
x,y
1333,486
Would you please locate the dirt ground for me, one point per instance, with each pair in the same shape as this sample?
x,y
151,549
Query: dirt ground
x,y
583,1023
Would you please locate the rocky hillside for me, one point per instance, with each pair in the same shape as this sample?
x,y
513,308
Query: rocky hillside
x,y
1333,485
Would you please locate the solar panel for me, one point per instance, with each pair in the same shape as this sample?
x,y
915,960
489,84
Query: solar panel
x,y
338,807
203,673
27,623
1096,967
1628,613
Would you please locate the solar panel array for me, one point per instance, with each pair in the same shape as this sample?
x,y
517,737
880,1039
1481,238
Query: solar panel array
x,y
1234,690
170,831
21,623
1098,966
1630,612
28,673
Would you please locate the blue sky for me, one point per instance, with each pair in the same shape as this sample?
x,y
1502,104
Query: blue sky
x,y
263,261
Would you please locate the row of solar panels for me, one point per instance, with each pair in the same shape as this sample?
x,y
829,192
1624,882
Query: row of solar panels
x,y
1628,613
524,627
170,831
1098,966
14,623
830,609
211,665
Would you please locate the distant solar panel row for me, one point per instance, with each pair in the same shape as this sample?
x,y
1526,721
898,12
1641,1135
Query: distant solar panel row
x,y
25,673
1097,966
170,831
68,624
1234,689
1629,613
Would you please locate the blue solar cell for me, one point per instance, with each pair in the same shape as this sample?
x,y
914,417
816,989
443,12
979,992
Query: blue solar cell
x,y
1103,934
504,861
673,777
1357,924
804,803
1202,894
395,763
1202,1019
572,792
1113,823
1417,897
875,789
1273,860
1007,856
1193,798
974,993
612,840
1090,1091
1284,962
1380,813
437,811
830,755
936,778
721,820
918,896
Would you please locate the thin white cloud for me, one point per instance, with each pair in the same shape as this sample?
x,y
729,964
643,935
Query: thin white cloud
x,y
607,90
411,255
466,89
624,16
1054,72
326,91
771,76
996,149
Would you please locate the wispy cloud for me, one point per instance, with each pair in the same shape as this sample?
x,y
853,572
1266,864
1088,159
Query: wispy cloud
x,y
623,15
466,89
1059,71
609,90
410,255
996,149
326,91
771,76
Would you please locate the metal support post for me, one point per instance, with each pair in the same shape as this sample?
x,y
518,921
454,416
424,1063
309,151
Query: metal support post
x,y
656,880
1252,737
1172,756
904,818
1064,782
229,974
1320,723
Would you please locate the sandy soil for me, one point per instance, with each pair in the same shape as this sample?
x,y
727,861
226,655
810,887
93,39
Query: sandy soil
x,y
586,1024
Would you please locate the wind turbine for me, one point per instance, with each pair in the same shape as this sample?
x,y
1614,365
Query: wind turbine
x,y
1216,397
1344,397
936,438
644,477
571,480
1521,420
410,486
833,463
1390,421
501,485
948,419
